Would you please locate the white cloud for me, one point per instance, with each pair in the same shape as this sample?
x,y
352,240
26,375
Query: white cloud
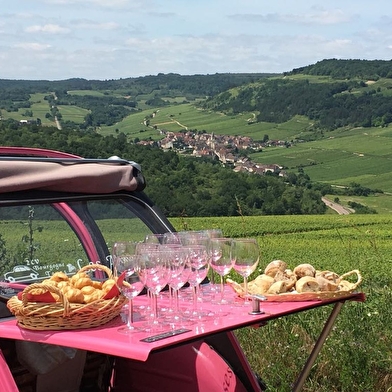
x,y
48,28
33,46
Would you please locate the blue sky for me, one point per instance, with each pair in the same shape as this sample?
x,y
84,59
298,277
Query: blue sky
x,y
112,39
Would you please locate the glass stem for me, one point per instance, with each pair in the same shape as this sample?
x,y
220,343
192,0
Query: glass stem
x,y
212,277
246,288
155,306
222,288
130,314
176,302
195,294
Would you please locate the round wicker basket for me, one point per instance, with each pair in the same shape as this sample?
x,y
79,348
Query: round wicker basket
x,y
306,296
63,314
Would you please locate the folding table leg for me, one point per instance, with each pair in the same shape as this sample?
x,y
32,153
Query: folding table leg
x,y
317,347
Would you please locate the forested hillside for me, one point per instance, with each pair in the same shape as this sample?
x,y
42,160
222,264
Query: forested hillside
x,y
179,185
340,95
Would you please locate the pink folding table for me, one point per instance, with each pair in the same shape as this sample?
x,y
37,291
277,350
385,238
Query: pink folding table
x,y
152,360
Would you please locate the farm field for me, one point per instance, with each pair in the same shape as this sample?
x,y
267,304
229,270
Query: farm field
x,y
354,156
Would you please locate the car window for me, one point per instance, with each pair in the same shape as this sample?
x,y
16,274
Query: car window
x,y
36,241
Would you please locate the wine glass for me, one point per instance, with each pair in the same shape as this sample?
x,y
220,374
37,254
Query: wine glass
x,y
246,254
179,275
222,260
126,265
154,272
213,233
198,261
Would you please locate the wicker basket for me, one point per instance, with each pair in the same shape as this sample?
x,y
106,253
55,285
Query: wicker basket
x,y
307,296
64,315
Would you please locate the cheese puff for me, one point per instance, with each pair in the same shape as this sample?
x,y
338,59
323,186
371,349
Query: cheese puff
x,y
59,277
81,282
97,284
87,290
50,282
77,276
63,284
74,295
96,295
108,284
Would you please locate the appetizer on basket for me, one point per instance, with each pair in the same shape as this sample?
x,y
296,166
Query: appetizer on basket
x,y
63,302
304,282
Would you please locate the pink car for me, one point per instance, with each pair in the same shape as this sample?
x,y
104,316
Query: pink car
x,y
79,197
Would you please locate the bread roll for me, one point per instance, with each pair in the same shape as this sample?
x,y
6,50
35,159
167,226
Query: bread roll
x,y
302,270
307,284
278,288
261,284
325,284
288,276
274,266
329,275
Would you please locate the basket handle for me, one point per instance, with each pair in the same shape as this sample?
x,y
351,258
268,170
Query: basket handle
x,y
52,289
353,272
101,267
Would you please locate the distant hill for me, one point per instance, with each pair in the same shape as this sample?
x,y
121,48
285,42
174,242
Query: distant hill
x,y
331,93
347,69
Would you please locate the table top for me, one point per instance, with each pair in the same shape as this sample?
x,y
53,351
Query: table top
x,y
107,339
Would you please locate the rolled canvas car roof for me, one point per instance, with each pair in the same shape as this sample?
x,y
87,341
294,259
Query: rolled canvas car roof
x,y
69,175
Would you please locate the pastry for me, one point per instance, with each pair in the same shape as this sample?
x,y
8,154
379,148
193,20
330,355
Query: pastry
x,y
59,277
82,282
73,295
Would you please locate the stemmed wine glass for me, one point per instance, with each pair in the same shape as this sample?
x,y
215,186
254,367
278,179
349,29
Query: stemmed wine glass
x,y
179,274
222,260
212,233
154,272
246,254
198,261
126,265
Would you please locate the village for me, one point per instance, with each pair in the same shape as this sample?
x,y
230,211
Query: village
x,y
230,150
